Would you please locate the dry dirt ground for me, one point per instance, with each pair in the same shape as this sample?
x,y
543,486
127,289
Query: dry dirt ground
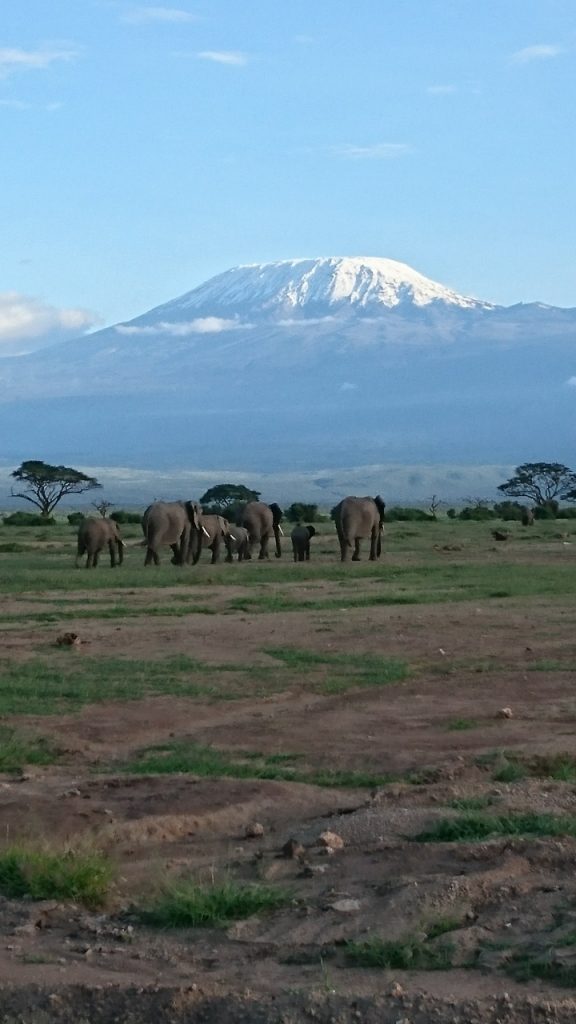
x,y
438,734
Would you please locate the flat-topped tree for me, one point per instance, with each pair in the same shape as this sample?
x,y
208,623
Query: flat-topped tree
x,y
46,485
542,482
223,496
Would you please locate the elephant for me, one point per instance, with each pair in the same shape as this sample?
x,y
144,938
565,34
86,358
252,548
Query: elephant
x,y
177,524
93,536
527,517
237,542
217,529
357,519
262,522
300,537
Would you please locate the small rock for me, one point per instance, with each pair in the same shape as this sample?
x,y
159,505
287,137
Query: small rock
x,y
293,849
70,792
345,906
396,991
68,640
254,830
331,840
505,713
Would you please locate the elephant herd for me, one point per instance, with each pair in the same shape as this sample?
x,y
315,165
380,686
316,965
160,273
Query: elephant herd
x,y
186,530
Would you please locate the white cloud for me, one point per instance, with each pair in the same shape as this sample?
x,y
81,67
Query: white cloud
x,y
13,60
379,151
27,323
348,386
571,382
542,51
15,104
201,325
230,57
306,321
141,15
440,90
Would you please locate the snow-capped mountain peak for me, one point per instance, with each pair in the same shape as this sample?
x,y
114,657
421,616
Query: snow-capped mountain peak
x,y
331,284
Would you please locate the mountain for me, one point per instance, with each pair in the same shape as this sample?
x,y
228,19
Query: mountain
x,y
302,364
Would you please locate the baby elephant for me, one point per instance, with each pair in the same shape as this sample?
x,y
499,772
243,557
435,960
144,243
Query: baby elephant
x,y
300,537
237,542
93,536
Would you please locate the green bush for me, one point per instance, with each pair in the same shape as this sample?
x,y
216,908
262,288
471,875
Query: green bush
x,y
75,518
408,515
300,512
122,516
566,513
510,511
28,519
478,513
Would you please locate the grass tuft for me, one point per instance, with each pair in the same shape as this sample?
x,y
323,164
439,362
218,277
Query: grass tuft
x,y
472,827
18,750
403,954
42,875
183,756
189,904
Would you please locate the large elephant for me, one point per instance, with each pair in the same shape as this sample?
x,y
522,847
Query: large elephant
x,y
357,519
262,522
96,534
300,538
237,543
177,524
216,529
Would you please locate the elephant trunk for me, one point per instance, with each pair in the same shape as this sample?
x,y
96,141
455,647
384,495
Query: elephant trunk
x,y
276,517
195,548
120,545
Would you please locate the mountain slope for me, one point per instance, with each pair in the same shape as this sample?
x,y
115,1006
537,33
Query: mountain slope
x,y
303,363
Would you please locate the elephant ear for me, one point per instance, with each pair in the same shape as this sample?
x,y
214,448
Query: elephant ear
x,y
194,514
277,513
311,531
380,505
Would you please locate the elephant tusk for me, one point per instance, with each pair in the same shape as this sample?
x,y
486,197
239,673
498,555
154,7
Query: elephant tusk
x,y
205,531
232,537
280,531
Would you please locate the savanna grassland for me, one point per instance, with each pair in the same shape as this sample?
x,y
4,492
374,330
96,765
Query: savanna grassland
x,y
422,708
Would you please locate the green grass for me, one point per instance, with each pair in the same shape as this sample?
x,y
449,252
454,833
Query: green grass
x,y
39,875
18,749
558,767
189,904
527,966
474,827
183,756
472,803
347,670
403,954
461,724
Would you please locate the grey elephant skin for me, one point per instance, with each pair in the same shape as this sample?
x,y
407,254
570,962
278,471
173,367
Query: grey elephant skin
x,y
237,543
174,524
216,530
96,534
300,537
262,522
359,519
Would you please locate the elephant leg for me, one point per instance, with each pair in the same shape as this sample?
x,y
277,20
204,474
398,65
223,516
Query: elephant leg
x,y
356,555
81,551
374,545
176,554
215,551
112,551
307,554
151,556
295,552
263,548
95,558
89,558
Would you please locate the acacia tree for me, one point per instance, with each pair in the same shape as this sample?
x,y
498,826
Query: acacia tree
x,y
46,485
223,496
541,482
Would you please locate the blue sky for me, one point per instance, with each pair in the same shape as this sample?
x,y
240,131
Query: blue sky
x,y
146,147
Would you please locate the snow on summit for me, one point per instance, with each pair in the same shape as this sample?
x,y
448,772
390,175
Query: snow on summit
x,y
329,284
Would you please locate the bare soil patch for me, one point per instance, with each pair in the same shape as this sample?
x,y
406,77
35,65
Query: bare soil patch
x,y
504,906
